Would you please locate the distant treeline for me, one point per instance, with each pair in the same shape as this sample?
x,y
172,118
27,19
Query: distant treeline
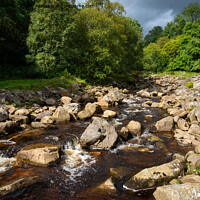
x,y
47,38
94,41
177,47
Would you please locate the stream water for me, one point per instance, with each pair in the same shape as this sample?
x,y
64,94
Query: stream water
x,y
81,170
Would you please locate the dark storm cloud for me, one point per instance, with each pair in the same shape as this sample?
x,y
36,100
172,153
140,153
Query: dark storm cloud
x,y
152,13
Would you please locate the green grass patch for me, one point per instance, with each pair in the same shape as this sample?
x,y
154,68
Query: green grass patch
x,y
38,84
178,73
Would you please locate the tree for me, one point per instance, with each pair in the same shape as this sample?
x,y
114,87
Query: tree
x,y
153,35
49,20
192,12
14,22
175,28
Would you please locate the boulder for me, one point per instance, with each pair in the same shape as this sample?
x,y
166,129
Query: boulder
x,y
190,191
72,107
193,159
93,108
155,105
183,125
165,124
50,102
84,115
39,154
109,114
190,179
124,133
194,129
104,105
47,120
22,111
99,134
47,92
61,115
156,176
112,97
43,114
8,127
66,100
38,125
3,115
19,118
134,128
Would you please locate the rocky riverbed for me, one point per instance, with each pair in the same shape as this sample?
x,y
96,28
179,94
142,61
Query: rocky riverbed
x,y
138,142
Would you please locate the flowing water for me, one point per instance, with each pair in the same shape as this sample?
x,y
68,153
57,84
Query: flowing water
x,y
79,170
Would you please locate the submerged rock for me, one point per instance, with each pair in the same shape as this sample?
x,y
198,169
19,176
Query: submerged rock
x,y
39,154
156,176
99,134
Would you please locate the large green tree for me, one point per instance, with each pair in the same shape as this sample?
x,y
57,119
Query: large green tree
x,y
49,20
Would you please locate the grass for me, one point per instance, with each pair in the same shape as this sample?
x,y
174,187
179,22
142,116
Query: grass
x,y
183,74
38,84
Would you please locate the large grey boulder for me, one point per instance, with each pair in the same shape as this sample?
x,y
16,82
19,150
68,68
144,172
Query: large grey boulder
x,y
99,134
165,124
187,191
156,176
3,115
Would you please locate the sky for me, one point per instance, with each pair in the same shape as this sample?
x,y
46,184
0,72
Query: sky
x,y
152,13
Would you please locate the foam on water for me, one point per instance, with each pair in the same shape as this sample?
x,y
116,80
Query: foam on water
x,y
5,163
77,161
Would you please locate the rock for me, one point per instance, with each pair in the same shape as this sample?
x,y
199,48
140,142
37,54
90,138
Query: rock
x,y
109,114
183,137
134,128
164,105
154,138
190,179
124,133
39,154
61,115
50,102
155,176
3,115
47,92
155,105
197,114
17,184
38,125
165,124
19,118
120,173
22,111
84,115
8,127
43,114
93,108
197,149
47,120
99,134
194,129
176,118
72,107
193,159
148,116
112,97
190,191
66,100
144,93
104,105
183,125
